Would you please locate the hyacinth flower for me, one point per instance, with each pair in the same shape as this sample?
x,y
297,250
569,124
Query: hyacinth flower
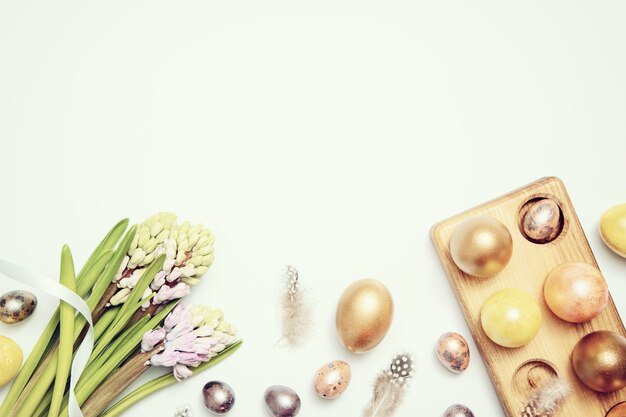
x,y
188,253
191,336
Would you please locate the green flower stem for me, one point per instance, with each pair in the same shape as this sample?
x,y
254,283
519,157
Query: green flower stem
x,y
43,406
105,321
111,269
164,381
128,309
115,346
86,279
116,355
66,341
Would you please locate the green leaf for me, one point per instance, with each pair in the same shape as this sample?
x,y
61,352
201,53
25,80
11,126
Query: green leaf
x,y
130,306
111,269
108,243
164,381
66,339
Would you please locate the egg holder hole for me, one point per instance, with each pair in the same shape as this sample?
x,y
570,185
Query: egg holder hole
x,y
618,410
527,204
530,375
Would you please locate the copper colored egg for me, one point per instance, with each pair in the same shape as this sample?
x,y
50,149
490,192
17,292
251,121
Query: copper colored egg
x,y
481,246
542,220
364,315
17,306
576,292
458,410
453,352
599,360
332,379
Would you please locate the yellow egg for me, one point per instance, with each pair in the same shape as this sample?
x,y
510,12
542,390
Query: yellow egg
x,y
613,229
364,315
511,318
10,359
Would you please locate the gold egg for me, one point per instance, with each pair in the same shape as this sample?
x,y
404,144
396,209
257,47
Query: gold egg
x,y
599,360
364,315
481,246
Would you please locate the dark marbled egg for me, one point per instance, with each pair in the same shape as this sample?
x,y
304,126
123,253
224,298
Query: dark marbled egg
x,y
458,410
453,352
282,401
17,306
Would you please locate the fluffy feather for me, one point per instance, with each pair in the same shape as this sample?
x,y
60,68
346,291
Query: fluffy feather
x,y
297,310
547,399
390,387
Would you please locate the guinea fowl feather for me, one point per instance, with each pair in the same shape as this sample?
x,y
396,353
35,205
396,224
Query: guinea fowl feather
x,y
390,387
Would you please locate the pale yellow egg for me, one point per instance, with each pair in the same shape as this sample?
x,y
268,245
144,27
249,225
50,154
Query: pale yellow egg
x,y
511,317
10,359
613,229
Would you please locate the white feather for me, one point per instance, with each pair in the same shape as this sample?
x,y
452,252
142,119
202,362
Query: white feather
x,y
297,311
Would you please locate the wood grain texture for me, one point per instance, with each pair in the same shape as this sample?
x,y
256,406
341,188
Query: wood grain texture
x,y
515,372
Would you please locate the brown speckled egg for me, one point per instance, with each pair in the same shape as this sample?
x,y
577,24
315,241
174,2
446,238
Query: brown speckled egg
x,y
542,220
453,352
332,379
16,306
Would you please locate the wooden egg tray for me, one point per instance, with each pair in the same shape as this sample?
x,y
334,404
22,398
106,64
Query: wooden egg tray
x,y
516,372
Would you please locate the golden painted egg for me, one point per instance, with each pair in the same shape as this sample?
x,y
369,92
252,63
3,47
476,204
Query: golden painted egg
x,y
542,220
10,359
453,352
332,379
511,317
364,315
576,292
599,360
17,306
481,246
613,229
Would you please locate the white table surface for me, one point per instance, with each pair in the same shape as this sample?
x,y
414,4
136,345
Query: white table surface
x,y
330,135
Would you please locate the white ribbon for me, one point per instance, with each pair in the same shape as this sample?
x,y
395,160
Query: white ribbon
x,y
52,287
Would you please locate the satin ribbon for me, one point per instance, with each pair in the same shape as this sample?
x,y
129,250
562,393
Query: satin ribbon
x,y
55,289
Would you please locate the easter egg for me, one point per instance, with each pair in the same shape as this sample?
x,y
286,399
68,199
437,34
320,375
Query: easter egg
x,y
599,361
364,315
282,401
542,220
458,410
10,359
576,292
332,379
511,317
219,397
453,352
481,246
613,229
17,306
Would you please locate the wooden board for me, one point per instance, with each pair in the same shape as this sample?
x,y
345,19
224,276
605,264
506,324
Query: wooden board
x,y
515,372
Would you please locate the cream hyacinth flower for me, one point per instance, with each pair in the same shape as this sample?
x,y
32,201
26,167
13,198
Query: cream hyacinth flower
x,y
189,254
